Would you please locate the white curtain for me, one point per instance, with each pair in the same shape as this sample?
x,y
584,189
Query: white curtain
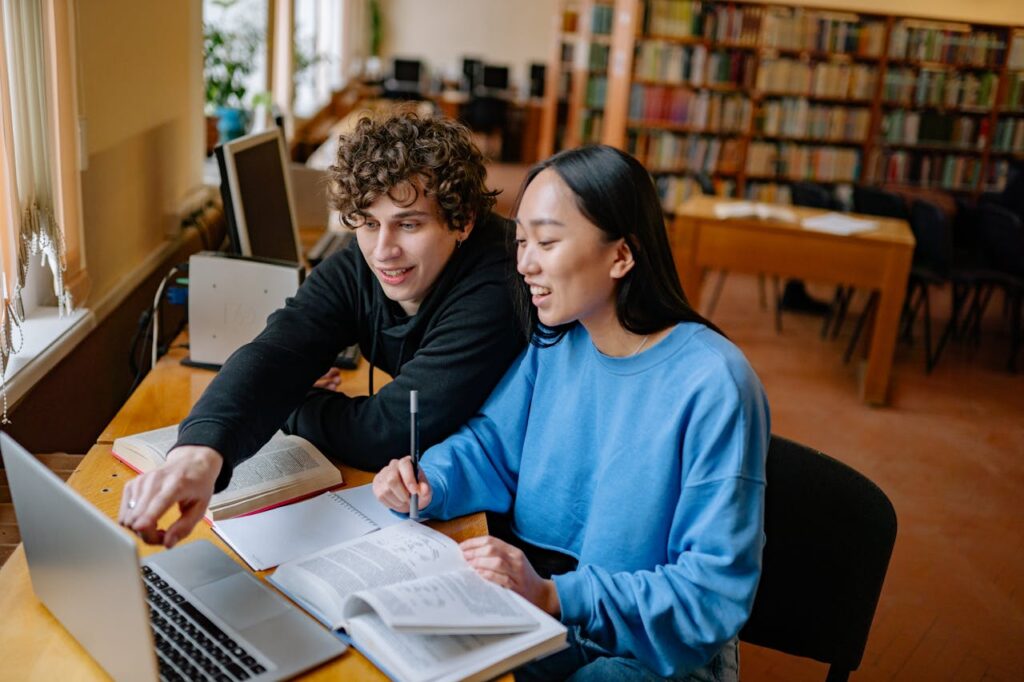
x,y
28,161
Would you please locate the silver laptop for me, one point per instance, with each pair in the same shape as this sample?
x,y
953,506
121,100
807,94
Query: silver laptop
x,y
190,613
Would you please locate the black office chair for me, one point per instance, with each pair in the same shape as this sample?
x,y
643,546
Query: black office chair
x,y
707,187
878,202
813,195
1000,240
830,532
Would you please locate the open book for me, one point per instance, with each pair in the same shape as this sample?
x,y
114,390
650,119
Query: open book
x,y
753,209
287,468
408,600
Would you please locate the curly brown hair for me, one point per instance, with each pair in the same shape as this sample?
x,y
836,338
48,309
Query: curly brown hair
x,y
400,155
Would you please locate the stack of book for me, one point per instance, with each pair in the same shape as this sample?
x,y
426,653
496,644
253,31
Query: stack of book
x,y
803,162
947,43
696,110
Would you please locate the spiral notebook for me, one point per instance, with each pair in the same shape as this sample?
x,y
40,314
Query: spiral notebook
x,y
273,537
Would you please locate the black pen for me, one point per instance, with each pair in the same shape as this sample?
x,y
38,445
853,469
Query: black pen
x,y
414,447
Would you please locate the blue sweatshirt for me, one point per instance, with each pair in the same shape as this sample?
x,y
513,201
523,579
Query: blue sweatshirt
x,y
650,470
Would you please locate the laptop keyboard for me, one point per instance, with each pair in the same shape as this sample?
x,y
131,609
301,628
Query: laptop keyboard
x,y
189,646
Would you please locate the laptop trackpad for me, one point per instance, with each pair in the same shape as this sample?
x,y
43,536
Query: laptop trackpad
x,y
239,600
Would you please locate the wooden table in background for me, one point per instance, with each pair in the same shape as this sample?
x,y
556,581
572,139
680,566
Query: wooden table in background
x,y
878,259
33,644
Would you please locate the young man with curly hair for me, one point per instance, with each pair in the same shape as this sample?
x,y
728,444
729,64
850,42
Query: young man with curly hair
x,y
423,292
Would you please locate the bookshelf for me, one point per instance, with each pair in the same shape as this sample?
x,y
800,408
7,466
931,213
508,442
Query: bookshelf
x,y
758,96
577,80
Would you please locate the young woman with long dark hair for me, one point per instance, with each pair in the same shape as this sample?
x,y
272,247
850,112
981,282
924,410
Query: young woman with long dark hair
x,y
629,438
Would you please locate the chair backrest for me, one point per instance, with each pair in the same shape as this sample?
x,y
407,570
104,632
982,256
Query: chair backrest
x,y
830,533
933,233
1002,239
874,201
812,195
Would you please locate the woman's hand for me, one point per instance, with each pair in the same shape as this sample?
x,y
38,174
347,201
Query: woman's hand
x,y
395,483
506,565
330,381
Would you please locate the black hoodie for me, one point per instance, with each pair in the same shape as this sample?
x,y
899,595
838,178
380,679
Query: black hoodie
x,y
453,351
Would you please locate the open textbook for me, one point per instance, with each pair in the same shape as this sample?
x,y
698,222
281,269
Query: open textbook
x,y
753,209
408,600
287,468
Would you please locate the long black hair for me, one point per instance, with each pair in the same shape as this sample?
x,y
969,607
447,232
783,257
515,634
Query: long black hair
x,y
616,193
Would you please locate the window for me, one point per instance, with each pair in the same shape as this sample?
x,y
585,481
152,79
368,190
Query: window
x,y
40,202
319,30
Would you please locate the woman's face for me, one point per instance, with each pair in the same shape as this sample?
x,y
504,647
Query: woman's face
x,y
570,267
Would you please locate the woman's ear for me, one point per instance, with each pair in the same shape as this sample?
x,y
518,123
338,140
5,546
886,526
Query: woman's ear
x,y
623,261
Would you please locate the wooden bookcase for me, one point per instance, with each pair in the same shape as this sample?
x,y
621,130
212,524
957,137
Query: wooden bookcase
x,y
758,96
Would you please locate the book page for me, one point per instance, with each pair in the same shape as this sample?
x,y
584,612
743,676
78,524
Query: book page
x,y
275,536
154,445
283,458
416,657
457,602
405,551
837,223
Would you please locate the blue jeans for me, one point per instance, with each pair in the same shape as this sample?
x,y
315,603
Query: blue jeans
x,y
585,661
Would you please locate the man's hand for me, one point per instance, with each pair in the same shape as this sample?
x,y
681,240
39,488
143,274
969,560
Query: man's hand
x,y
187,478
395,483
506,565
329,381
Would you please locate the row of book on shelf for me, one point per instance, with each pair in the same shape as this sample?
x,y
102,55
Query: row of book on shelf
x,y
940,88
842,33
841,80
662,151
946,171
932,127
798,118
826,31
798,162
737,24
699,110
924,42
672,63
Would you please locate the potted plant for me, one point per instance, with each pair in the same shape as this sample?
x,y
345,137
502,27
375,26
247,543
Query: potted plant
x,y
228,57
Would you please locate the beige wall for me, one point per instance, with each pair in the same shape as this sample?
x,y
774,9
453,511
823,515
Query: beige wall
x,y
515,33
141,95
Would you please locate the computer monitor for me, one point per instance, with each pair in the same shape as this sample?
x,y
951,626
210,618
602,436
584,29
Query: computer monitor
x,y
407,73
256,189
495,77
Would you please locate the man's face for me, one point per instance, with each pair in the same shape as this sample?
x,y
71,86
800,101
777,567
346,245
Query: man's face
x,y
407,247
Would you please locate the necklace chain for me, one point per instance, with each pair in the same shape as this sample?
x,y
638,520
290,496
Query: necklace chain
x,y
640,347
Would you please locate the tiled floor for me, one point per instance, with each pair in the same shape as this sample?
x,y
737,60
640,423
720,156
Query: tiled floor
x,y
949,452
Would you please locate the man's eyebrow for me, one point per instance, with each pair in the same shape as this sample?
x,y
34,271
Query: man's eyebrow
x,y
411,213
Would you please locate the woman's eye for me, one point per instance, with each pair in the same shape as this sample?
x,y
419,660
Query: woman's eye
x,y
546,244
520,243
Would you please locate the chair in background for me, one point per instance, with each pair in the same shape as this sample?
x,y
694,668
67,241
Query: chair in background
x,y
997,264
707,187
830,532
877,202
814,195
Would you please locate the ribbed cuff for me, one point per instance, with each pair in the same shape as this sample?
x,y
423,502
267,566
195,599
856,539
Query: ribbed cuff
x,y
439,493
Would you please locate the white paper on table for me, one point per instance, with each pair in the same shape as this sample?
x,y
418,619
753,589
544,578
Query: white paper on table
x,y
837,223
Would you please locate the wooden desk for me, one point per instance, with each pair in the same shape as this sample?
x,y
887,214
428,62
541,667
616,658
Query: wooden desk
x,y
34,646
879,260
